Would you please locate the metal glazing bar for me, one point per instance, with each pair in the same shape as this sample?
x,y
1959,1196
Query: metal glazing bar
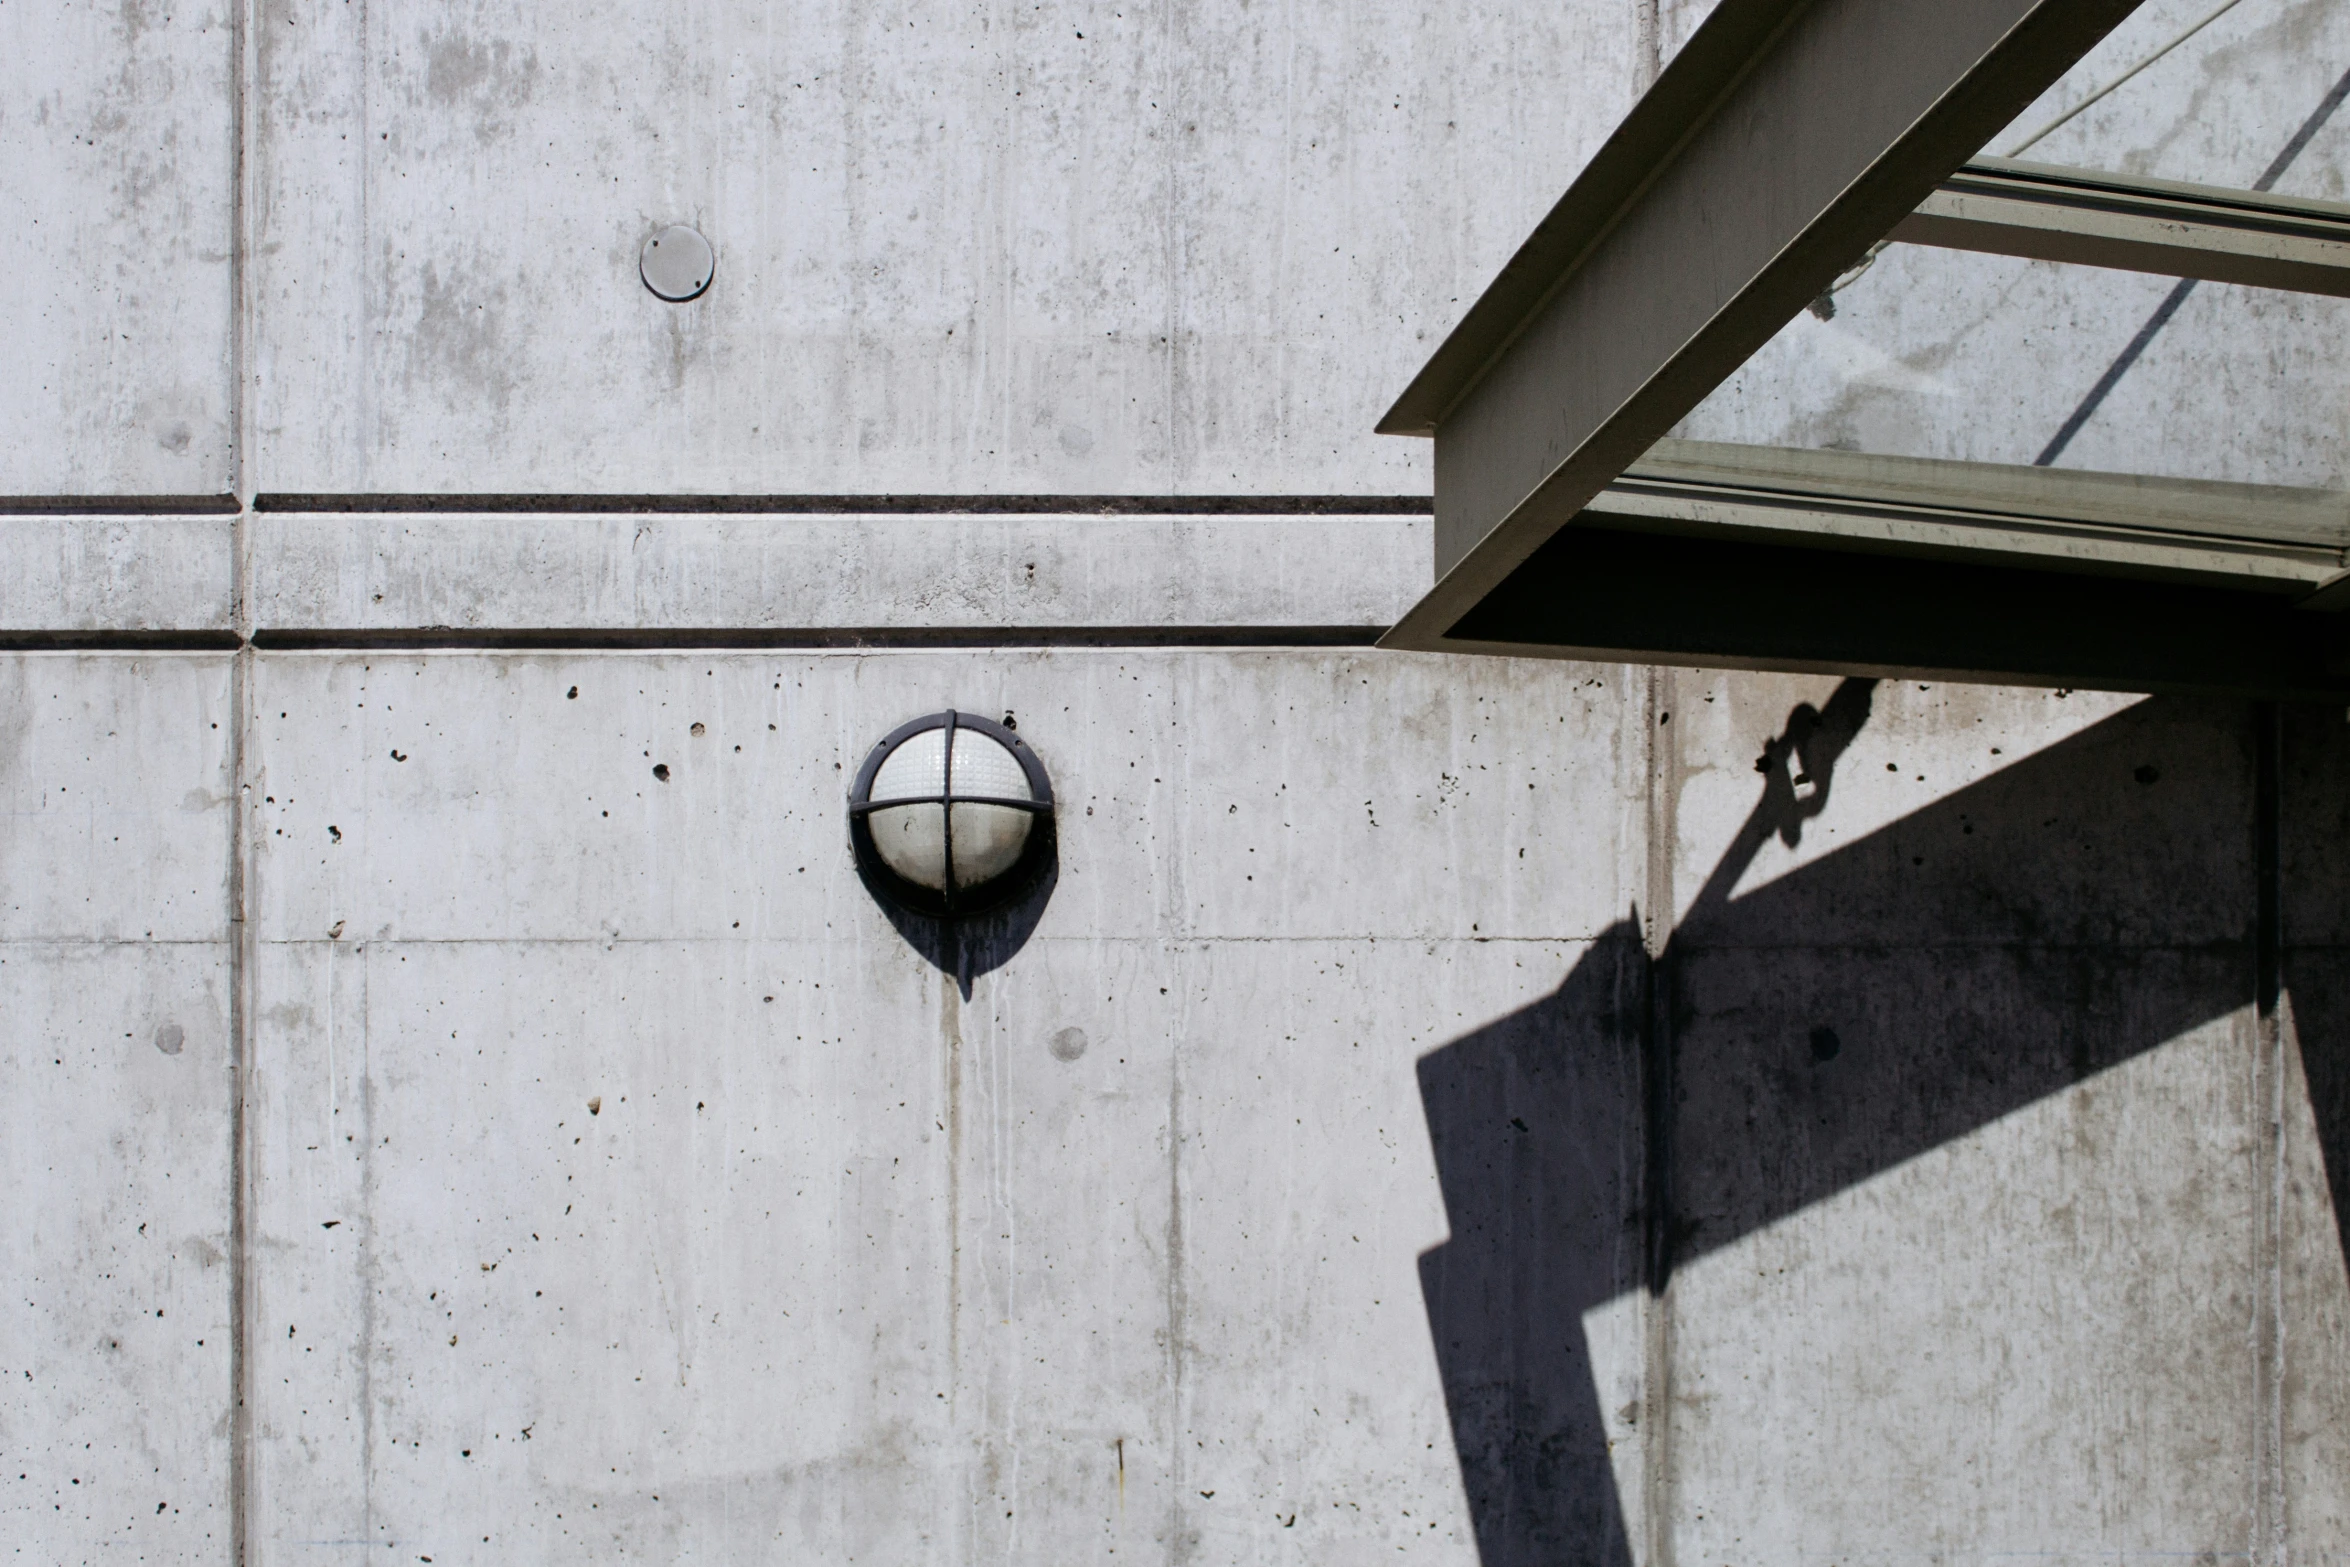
x,y
2268,539
946,813
2093,219
870,806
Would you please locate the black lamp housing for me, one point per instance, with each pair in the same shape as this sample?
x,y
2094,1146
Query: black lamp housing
x,y
954,902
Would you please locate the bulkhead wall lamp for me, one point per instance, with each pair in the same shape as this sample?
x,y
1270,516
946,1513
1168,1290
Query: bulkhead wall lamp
x,y
951,816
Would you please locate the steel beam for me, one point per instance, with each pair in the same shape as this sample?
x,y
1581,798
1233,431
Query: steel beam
x,y
1784,138
2137,225
1768,558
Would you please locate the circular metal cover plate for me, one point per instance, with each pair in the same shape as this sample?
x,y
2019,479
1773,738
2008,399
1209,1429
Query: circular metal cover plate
x,y
677,264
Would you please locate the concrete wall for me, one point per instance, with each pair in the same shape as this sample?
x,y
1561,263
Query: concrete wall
x,y
1447,1110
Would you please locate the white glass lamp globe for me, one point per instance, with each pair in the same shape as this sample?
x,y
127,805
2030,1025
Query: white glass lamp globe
x,y
988,839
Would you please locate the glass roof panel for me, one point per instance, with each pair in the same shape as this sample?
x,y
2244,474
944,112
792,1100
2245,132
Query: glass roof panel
x,y
1936,353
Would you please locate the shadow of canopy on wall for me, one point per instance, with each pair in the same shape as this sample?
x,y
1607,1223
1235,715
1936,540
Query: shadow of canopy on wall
x,y
1793,1042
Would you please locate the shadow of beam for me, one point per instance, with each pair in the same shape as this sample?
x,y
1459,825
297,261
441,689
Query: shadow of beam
x,y
2013,938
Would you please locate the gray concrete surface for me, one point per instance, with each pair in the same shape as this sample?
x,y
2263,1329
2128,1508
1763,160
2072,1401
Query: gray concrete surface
x,y
1461,1111
842,1265
535,571
2008,1276
870,1270
116,1087
1063,248
112,574
118,128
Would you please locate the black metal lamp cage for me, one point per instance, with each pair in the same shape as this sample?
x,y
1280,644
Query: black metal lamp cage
x,y
954,897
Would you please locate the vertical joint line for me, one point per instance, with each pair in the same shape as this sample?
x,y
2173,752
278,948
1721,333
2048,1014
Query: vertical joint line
x,y
240,959
244,73
1659,1104
2268,1084
1657,1053
1649,29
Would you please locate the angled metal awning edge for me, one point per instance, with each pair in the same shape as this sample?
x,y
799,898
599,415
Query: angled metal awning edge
x,y
1746,557
1784,138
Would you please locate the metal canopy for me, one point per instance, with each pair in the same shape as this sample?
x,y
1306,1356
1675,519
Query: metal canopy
x,y
1782,141
1768,558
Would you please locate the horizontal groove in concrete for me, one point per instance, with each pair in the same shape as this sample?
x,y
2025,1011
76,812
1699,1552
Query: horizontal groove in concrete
x,y
105,640
681,639
877,505
118,506
662,639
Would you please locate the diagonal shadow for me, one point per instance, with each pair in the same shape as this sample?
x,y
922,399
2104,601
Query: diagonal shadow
x,y
2013,938
2313,918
